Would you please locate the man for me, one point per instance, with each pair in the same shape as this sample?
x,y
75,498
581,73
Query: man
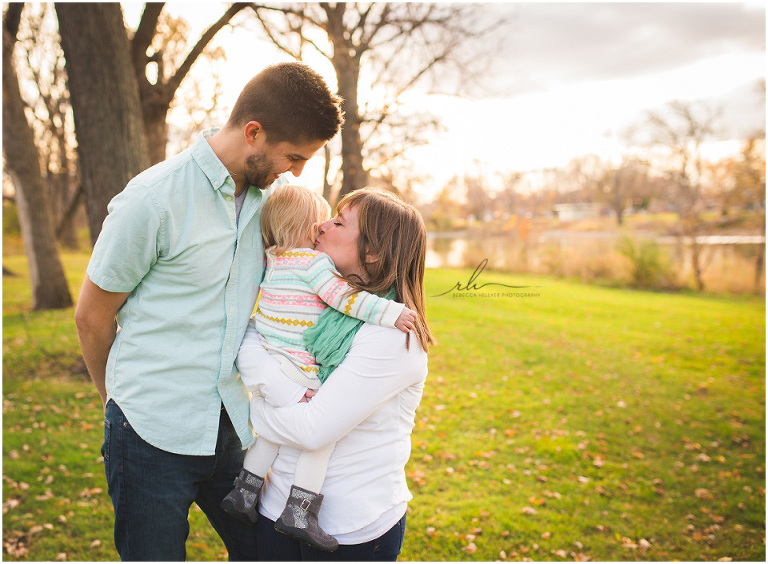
x,y
178,263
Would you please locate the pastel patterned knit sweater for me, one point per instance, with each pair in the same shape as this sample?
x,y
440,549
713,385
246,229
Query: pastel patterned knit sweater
x,y
298,285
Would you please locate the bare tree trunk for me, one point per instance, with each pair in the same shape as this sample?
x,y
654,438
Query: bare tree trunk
x,y
346,62
46,275
760,262
61,215
66,227
326,168
354,176
156,130
618,200
690,228
105,101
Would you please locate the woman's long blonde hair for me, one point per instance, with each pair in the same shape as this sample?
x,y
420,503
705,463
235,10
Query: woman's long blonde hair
x,y
392,231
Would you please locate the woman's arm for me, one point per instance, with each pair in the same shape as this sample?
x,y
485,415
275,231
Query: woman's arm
x,y
261,372
377,367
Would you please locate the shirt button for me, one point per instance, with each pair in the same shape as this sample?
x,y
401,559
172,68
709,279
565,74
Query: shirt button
x,y
229,348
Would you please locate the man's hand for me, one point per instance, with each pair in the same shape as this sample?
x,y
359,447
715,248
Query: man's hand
x,y
95,317
406,320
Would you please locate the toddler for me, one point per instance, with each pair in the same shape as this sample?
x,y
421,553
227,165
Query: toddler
x,y
298,285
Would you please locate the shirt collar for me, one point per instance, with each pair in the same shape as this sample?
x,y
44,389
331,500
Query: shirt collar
x,y
207,160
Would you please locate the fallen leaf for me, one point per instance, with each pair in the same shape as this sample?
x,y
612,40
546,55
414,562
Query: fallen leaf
x,y
471,548
528,511
703,493
627,542
599,461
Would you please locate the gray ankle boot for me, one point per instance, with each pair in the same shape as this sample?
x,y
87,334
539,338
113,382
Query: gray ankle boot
x,y
299,520
243,501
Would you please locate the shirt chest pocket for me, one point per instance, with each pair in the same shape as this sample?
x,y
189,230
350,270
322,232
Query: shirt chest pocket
x,y
198,260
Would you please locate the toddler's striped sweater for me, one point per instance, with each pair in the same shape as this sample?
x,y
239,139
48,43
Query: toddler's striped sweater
x,y
298,285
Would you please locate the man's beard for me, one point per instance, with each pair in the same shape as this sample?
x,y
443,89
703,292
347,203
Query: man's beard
x,y
258,171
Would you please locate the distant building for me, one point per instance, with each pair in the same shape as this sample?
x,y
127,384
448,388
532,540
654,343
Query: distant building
x,y
583,210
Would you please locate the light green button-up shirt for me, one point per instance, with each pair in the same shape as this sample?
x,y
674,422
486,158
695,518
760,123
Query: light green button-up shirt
x,y
171,239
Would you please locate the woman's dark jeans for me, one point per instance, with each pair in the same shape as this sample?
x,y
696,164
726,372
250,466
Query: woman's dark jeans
x,y
276,547
152,491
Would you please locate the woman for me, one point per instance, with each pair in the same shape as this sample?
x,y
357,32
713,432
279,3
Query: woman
x,y
367,406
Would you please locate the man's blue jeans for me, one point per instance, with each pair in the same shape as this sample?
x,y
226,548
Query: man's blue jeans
x,y
152,491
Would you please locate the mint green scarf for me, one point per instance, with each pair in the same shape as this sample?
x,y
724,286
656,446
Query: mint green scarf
x,y
330,338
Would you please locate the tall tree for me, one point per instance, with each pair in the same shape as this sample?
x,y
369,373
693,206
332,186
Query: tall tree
x,y
625,185
105,100
399,44
49,285
680,131
43,82
166,52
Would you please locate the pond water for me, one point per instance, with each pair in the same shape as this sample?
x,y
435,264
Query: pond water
x,y
728,261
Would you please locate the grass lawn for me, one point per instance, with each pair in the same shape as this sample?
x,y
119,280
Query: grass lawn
x,y
582,423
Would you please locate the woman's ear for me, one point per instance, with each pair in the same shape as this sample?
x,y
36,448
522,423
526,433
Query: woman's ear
x,y
370,257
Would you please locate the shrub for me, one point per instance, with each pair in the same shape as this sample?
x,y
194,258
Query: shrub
x,y
649,263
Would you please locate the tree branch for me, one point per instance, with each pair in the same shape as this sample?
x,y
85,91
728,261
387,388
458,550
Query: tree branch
x,y
275,41
367,38
290,12
295,12
142,39
202,43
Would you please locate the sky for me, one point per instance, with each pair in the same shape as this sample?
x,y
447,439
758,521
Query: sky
x,y
566,80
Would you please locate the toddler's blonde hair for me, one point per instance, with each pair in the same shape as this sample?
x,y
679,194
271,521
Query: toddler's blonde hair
x,y
291,215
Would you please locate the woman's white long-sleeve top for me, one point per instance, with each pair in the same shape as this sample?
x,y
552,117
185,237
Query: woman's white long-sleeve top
x,y
367,407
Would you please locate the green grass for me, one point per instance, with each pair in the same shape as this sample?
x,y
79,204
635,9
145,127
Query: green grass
x,y
587,422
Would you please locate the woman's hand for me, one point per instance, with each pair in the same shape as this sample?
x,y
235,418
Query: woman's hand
x,y
406,320
308,395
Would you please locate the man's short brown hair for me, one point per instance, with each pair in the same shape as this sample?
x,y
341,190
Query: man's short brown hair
x,y
291,102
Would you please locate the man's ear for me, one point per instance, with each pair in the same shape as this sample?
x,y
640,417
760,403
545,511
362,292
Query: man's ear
x,y
252,131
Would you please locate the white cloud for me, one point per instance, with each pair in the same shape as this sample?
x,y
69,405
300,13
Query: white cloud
x,y
552,43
